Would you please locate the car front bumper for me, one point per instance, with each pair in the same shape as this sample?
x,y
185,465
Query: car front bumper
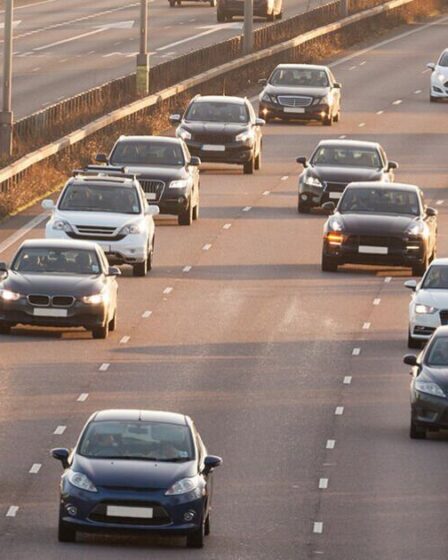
x,y
176,203
233,152
439,90
313,112
429,411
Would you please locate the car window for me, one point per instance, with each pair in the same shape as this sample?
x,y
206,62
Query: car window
x,y
347,157
100,198
303,77
443,61
156,441
436,278
147,153
217,111
437,355
379,201
43,260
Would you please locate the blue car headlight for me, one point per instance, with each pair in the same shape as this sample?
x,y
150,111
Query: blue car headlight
x,y
81,481
184,486
429,388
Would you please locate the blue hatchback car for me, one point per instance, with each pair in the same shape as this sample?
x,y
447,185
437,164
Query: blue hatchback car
x,y
137,471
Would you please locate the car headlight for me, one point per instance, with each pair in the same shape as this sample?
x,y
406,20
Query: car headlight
x,y
335,224
131,229
61,225
325,100
96,299
313,182
418,229
441,77
429,388
422,309
184,134
183,486
81,481
244,136
180,184
7,295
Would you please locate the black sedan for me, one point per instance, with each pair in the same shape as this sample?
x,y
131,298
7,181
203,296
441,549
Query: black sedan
x,y
167,173
58,283
301,91
336,163
137,471
382,224
429,386
222,129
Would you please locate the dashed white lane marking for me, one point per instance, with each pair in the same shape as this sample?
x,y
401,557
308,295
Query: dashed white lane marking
x,y
125,339
186,268
167,290
323,483
376,301
339,411
167,27
91,52
147,314
380,112
226,226
352,68
36,69
362,63
83,397
266,193
356,351
115,53
347,380
117,43
439,202
12,511
104,367
35,468
318,527
388,279
59,430
318,552
397,102
285,178
63,60
207,247
361,124
342,136
330,443
417,91
366,326
247,208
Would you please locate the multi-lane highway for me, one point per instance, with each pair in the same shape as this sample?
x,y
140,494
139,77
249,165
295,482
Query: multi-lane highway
x,y
292,375
63,49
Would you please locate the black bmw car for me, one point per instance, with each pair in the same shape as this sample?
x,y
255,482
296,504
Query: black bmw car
x,y
336,163
165,169
137,471
302,92
429,386
58,283
222,129
380,224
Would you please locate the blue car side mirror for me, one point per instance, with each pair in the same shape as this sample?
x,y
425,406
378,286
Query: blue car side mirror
x,y
61,454
211,462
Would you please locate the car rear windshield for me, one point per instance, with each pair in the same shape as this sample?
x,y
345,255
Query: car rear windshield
x,y
147,153
43,260
379,201
157,441
299,77
436,278
217,111
437,355
100,198
443,59
341,156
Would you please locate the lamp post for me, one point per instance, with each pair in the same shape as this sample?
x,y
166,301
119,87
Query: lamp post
x,y
6,116
143,56
248,28
345,7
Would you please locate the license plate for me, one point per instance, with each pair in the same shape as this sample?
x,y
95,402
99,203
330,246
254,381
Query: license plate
x,y
151,195
293,110
336,195
370,249
123,511
213,148
49,312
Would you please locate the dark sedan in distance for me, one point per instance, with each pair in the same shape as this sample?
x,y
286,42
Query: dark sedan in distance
x,y
269,9
336,163
301,91
169,176
222,129
137,471
380,224
58,283
429,386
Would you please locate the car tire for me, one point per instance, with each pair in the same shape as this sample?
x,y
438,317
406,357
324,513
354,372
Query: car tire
x,y
415,432
5,328
257,162
185,218
337,117
413,342
303,208
66,533
113,322
141,268
248,167
220,16
328,264
207,526
101,332
432,99
328,121
196,212
195,539
270,16
172,3
280,15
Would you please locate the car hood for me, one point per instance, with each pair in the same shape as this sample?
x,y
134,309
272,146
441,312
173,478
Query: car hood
x,y
108,219
296,90
133,474
199,127
433,298
442,70
52,284
344,174
164,173
375,224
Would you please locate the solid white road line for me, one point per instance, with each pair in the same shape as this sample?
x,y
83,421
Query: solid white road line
x,y
186,268
125,339
318,527
347,380
167,290
24,230
366,326
12,511
376,301
83,397
35,468
59,430
226,226
104,367
330,443
339,411
207,247
146,314
356,351
323,483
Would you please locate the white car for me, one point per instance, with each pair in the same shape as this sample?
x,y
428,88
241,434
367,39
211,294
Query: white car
x,y
109,209
439,78
429,304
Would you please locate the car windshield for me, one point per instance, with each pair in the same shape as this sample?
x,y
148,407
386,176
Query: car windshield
x,y
100,198
45,260
379,201
436,278
437,355
148,153
156,441
217,111
443,59
341,156
299,77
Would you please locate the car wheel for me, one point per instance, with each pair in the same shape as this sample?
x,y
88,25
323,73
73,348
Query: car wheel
x,y
141,268
257,162
220,16
303,208
179,2
195,539
172,3
271,16
5,328
248,167
280,15
196,211
66,533
113,322
432,99
186,217
413,342
328,264
328,121
337,117
101,332
415,432
207,526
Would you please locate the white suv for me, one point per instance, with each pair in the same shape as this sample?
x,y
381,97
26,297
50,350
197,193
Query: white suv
x,y
109,209
439,78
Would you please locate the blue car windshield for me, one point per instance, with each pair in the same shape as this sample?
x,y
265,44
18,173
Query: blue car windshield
x,y
152,441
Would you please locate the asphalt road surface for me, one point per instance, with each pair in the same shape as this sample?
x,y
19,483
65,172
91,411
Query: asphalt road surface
x,y
258,346
63,48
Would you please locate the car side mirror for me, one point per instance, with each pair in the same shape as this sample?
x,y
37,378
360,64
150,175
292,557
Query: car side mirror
x,y
392,165
302,160
263,81
411,284
3,267
195,161
410,360
431,66
329,207
101,158
211,462
431,212
337,85
113,271
259,122
152,210
61,454
47,204
175,119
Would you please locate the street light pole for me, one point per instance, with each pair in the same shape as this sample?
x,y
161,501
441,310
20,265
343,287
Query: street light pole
x,y
143,56
345,7
248,29
6,116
